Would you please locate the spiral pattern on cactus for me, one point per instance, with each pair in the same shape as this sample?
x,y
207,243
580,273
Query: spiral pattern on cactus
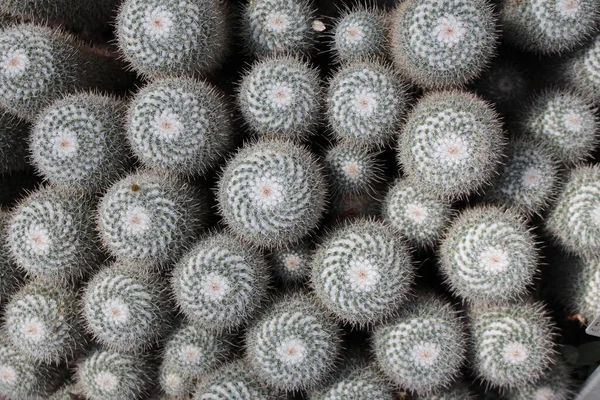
x,y
359,35
357,383
352,169
583,69
292,265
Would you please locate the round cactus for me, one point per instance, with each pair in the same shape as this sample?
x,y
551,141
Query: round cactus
x,y
457,391
565,121
362,272
582,70
359,35
112,375
575,219
220,282
272,193
512,344
352,169
451,144
292,265
148,216
355,383
505,84
125,309
294,345
13,143
173,37
42,321
365,104
51,234
78,141
11,277
280,97
443,43
417,215
278,26
488,255
543,26
423,349
555,384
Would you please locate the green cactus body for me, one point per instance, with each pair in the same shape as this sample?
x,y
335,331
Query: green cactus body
x,y
174,37
149,216
443,43
51,234
356,383
365,104
78,141
505,84
582,70
548,26
555,384
294,345
11,276
220,282
422,349
272,193
359,35
512,344
125,309
417,215
292,265
352,169
280,97
362,272
13,143
488,255
451,144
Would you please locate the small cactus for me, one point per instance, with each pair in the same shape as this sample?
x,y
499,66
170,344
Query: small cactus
x,y
443,43
582,70
294,345
220,283
359,35
423,349
451,144
272,193
555,384
292,265
355,383
78,141
362,272
13,143
458,391
352,169
505,84
11,276
68,391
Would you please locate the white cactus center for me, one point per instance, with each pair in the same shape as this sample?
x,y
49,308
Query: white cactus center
x,y
173,382
543,393
449,30
352,170
8,375
65,144
281,95
14,63
191,353
573,122
452,150
362,275
425,354
107,381
494,260
416,213
531,177
354,34
292,351
568,8
158,22
34,330
116,311
515,353
167,125
292,262
365,103
277,22
269,193
137,220
215,287
39,239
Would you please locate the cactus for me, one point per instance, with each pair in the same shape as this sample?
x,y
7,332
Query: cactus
x,y
292,265
443,43
457,391
359,35
505,84
11,277
528,178
162,38
352,169
451,144
51,234
555,384
362,272
220,283
280,97
423,349
278,26
415,214
42,321
355,383
488,255
148,216
78,141
112,375
575,219
565,121
582,70
68,391
13,143
294,345
272,193
512,344
365,104
549,27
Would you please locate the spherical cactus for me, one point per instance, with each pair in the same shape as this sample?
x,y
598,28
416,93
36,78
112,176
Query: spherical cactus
x,y
278,26
112,375
359,35
555,384
575,219
11,276
543,26
294,345
280,97
488,255
565,121
42,321
78,141
423,349
355,383
505,84
272,193
173,37
443,43
233,382
365,104
457,391
512,344
352,169
451,144
220,282
51,234
582,70
148,216
362,272
416,214
13,143
68,391
292,265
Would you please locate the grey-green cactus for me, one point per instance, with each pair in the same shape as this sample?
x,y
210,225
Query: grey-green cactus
x,y
352,169
582,69
458,391
13,143
359,34
555,384
292,265
355,383
11,276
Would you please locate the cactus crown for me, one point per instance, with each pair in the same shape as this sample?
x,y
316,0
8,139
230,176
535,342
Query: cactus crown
x,y
359,35
352,169
292,265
